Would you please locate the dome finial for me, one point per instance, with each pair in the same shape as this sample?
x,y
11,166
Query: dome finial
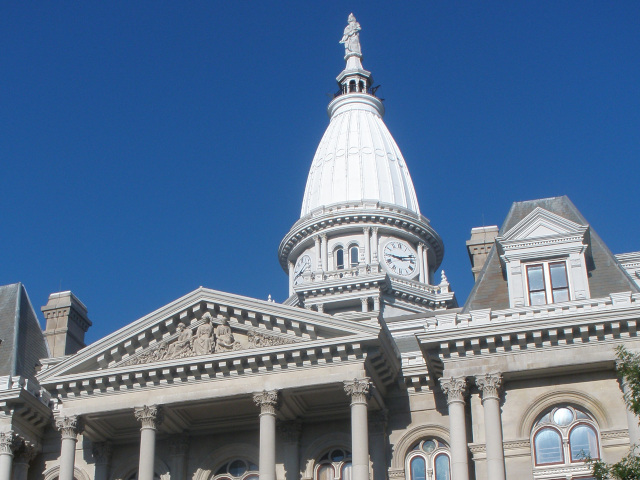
x,y
351,41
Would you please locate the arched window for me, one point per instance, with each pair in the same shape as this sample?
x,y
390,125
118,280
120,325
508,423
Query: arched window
x,y
237,469
564,435
334,465
339,256
354,256
428,460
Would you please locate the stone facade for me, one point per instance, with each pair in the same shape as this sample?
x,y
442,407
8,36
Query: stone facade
x,y
369,370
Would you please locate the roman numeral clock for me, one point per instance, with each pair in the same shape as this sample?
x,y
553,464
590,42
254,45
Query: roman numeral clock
x,y
400,259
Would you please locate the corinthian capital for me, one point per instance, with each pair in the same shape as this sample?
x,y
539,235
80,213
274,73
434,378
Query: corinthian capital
x,y
357,389
267,400
102,452
454,388
9,442
150,416
490,385
69,426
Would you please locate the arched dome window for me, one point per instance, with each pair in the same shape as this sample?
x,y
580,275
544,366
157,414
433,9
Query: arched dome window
x,y
237,469
339,256
564,435
428,460
334,465
354,254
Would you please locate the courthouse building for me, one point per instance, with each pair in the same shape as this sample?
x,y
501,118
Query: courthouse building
x,y
371,369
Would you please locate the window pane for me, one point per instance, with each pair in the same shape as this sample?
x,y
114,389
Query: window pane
x,y
346,471
337,455
583,442
237,468
325,472
548,446
418,469
558,273
538,298
339,259
561,295
353,252
443,471
563,416
536,281
429,446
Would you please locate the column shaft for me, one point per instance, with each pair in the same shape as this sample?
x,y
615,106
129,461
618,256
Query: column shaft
x,y
358,390
455,389
493,433
367,249
67,458
150,416
374,245
325,253
421,276
318,254
291,267
6,460
632,420
268,402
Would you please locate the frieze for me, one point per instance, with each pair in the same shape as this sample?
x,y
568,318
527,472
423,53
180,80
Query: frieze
x,y
206,340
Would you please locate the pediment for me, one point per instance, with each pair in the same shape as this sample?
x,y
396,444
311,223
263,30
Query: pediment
x,y
542,223
206,324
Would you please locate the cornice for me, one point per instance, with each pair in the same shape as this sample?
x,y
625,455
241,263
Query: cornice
x,y
372,214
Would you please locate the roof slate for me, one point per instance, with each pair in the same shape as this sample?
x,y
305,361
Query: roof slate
x,y
606,275
22,342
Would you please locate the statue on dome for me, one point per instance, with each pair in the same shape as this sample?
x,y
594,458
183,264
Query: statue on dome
x,y
351,37
225,342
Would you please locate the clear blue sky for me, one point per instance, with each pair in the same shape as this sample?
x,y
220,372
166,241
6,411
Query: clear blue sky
x,y
148,148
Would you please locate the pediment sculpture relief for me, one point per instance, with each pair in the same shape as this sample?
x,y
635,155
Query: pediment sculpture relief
x,y
206,340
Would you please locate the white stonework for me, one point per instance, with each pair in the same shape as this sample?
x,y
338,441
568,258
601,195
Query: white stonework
x,y
369,370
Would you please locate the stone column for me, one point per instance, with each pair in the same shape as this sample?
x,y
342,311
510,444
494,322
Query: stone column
x,y
316,239
150,418
358,390
179,449
489,385
420,261
367,249
8,442
22,457
290,434
365,304
102,457
456,389
69,428
291,269
325,252
632,420
374,245
425,264
378,435
268,403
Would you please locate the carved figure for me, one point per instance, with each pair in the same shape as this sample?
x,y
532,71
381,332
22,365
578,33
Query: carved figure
x,y
224,338
203,341
182,346
351,37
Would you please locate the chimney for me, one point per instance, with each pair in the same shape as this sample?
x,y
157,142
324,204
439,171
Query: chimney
x,y
479,246
67,322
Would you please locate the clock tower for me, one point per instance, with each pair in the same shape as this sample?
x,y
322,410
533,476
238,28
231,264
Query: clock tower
x,y
361,247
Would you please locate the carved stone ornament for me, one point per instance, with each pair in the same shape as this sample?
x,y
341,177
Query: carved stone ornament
x,y
490,385
150,416
454,388
9,442
102,452
25,452
206,340
69,426
357,389
267,400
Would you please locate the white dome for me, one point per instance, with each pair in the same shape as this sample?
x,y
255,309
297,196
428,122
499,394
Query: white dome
x,y
358,159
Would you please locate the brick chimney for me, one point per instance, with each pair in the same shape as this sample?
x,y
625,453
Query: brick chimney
x,y
67,322
479,246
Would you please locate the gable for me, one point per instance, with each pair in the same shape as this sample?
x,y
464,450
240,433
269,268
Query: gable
x,y
542,223
205,323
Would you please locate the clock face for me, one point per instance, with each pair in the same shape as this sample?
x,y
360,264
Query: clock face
x,y
399,258
303,265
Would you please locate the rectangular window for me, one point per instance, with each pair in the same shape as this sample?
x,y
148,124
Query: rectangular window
x,y
547,282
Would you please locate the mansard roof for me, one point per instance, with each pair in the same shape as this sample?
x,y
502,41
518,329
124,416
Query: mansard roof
x,y
21,339
606,275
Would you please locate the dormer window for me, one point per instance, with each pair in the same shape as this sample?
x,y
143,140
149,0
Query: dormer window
x,y
547,282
